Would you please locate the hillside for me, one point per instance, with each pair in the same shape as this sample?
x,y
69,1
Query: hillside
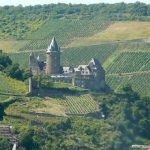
x,y
118,31
124,62
64,121
11,86
65,117
118,35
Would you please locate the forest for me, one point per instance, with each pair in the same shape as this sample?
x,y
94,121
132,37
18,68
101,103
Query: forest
x,y
18,21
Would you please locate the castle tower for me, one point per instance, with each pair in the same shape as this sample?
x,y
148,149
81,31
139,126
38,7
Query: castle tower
x,y
33,64
53,58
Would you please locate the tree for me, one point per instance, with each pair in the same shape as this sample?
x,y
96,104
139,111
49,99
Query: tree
x,y
139,9
14,71
4,144
5,61
26,140
1,112
129,93
26,73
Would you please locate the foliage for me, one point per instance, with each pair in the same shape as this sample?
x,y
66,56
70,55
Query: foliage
x,y
123,119
1,112
125,122
139,9
11,86
4,144
5,61
17,23
27,140
15,72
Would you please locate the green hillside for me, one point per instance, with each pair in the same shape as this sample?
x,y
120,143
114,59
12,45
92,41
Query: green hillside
x,y
117,35
124,62
45,121
12,86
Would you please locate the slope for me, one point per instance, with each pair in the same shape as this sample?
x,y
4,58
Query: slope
x,y
118,31
11,86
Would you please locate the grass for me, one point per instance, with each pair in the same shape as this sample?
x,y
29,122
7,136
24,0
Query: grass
x,y
67,105
11,45
60,85
36,110
3,97
11,86
116,32
22,112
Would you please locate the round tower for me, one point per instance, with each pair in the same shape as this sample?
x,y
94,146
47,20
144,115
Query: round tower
x,y
53,58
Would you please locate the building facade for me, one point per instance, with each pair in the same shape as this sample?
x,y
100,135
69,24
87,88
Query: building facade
x,y
90,76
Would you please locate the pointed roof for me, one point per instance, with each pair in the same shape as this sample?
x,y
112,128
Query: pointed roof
x,y
53,47
95,63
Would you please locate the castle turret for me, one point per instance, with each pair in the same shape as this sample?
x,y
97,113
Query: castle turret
x,y
33,64
99,75
53,58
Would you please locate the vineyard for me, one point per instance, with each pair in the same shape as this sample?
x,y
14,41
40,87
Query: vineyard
x,y
67,105
79,105
11,86
117,82
72,56
118,31
21,112
40,110
124,54
139,82
128,62
72,29
129,66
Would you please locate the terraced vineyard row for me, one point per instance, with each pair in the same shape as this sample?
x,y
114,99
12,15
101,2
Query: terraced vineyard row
x,y
139,82
79,105
72,29
117,82
135,46
82,55
128,62
72,56
9,85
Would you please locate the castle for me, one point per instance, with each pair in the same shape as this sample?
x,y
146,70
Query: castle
x,y
90,76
